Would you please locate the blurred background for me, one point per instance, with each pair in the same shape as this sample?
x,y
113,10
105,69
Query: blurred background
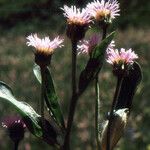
x,y
19,18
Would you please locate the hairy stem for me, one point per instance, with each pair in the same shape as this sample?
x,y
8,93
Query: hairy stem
x,y
97,102
74,98
97,113
115,99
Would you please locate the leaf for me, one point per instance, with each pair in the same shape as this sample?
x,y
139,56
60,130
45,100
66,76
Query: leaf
x,y
25,110
95,63
99,52
51,97
129,87
49,132
117,128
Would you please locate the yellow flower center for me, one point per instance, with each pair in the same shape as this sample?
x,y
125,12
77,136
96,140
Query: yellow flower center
x,y
45,51
76,21
102,14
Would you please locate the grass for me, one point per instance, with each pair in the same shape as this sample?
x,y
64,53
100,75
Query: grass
x,y
16,61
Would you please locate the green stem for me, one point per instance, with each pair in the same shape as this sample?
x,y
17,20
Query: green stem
x,y
97,102
115,99
42,93
73,99
97,113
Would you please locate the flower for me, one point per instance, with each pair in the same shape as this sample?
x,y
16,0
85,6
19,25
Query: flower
x,y
45,45
87,46
78,21
15,127
103,10
114,56
44,48
76,16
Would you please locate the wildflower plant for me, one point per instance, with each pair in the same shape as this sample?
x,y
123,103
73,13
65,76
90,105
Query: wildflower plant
x,y
100,48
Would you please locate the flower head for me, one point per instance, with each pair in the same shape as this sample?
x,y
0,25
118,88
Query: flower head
x,y
15,127
123,56
103,10
44,47
87,46
121,60
78,21
76,16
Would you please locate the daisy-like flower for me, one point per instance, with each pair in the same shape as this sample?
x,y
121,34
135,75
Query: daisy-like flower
x,y
15,127
76,16
104,10
44,47
121,57
87,46
78,21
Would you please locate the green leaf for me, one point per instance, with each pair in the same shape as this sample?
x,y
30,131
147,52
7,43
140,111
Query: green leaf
x,y
99,52
51,97
117,128
129,87
49,132
94,63
25,110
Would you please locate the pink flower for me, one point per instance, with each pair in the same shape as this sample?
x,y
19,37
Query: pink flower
x,y
76,16
15,127
87,46
123,56
101,10
10,121
44,45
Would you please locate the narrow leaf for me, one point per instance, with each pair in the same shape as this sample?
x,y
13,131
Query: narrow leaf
x,y
51,97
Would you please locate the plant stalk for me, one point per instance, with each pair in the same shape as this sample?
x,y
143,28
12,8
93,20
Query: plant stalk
x,y
74,98
115,99
97,102
42,93
97,113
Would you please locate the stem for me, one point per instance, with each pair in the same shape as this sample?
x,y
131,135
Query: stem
x,y
104,32
73,99
97,113
42,93
97,102
115,99
74,55
16,145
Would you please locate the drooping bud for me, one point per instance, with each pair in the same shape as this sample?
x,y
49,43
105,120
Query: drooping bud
x,y
15,128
